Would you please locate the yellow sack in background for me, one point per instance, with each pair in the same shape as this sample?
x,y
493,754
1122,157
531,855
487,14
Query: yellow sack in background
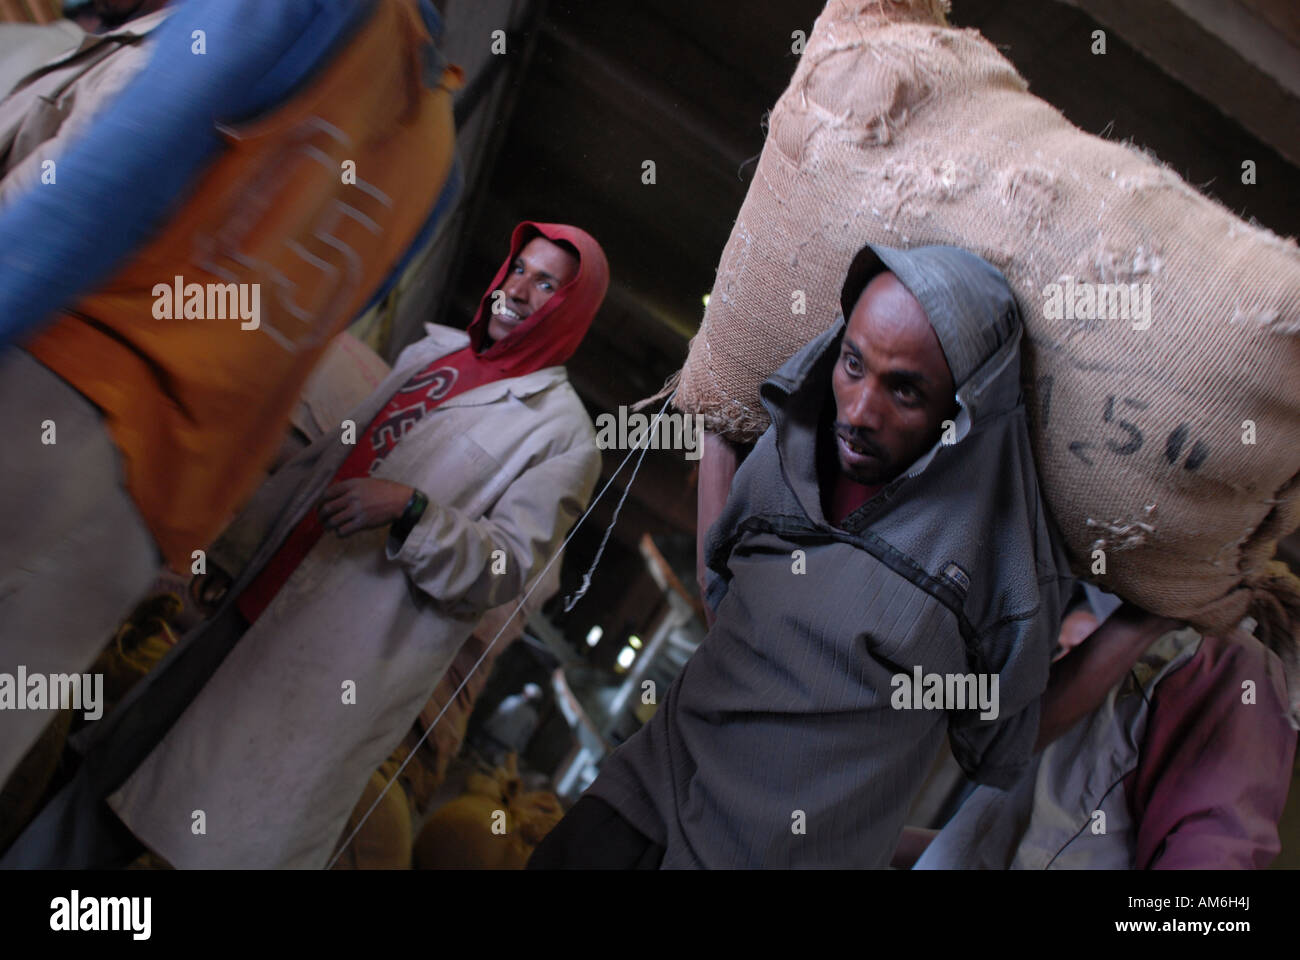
x,y
493,825
384,841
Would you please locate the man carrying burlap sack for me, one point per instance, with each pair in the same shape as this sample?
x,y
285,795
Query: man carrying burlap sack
x,y
1162,331
884,552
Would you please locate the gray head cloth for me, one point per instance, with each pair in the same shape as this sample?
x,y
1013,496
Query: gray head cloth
x,y
965,297
975,504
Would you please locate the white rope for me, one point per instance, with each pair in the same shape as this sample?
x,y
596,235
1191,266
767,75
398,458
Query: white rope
x,y
569,603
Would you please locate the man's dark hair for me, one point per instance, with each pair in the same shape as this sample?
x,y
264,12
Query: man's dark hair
x,y
567,247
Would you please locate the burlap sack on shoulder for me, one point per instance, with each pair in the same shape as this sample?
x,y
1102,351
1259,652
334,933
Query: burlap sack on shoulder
x,y
1166,430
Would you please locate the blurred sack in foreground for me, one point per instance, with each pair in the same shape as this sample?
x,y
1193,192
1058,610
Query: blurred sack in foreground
x,y
1167,438
278,215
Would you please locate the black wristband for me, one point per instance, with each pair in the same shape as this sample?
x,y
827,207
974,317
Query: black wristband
x,y
404,524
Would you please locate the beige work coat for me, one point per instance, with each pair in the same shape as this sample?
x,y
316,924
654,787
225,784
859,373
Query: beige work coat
x,y
275,749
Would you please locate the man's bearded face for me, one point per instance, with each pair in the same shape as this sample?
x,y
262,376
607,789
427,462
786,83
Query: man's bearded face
x,y
891,384
541,268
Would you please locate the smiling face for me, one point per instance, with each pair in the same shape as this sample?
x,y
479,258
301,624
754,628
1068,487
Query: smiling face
x,y
891,384
541,268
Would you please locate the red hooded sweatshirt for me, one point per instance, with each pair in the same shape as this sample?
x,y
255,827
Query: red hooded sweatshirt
x,y
547,338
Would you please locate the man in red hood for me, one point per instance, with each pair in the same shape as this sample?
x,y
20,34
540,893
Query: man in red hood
x,y
360,567
511,335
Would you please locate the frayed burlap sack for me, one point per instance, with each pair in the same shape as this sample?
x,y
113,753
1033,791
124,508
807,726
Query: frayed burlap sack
x,y
1162,356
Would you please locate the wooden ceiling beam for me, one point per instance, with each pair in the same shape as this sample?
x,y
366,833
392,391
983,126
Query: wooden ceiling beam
x,y
1223,51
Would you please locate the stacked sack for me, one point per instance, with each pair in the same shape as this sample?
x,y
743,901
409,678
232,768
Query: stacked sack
x,y
1165,414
